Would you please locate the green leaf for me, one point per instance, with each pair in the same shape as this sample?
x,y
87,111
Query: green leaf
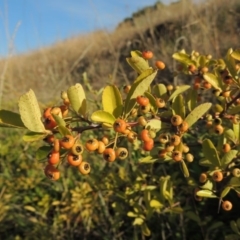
x,y
63,130
160,91
225,192
154,124
236,54
145,230
236,129
42,152
183,58
138,221
208,185
155,204
30,112
184,169
234,227
192,99
234,182
193,216
178,106
205,162
234,110
228,157
147,159
210,153
77,98
138,88
59,120
215,225
197,112
212,79
230,135
137,62
34,136
177,210
178,91
10,119
231,65
152,101
103,117
132,214
206,193
112,100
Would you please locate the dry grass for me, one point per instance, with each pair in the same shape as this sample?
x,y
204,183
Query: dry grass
x,y
209,28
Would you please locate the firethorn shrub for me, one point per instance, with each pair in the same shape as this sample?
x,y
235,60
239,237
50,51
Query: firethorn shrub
x,y
150,156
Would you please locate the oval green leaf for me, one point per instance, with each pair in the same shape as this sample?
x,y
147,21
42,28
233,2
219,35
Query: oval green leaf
x,y
210,153
154,124
206,193
145,230
103,117
30,112
225,192
160,91
197,112
155,204
178,106
183,58
184,169
228,157
112,100
178,91
212,79
138,88
77,98
137,62
10,119
152,101
34,136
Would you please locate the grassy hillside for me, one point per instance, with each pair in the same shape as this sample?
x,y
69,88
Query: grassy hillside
x,y
210,27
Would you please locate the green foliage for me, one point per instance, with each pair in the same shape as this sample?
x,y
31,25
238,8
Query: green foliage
x,y
174,176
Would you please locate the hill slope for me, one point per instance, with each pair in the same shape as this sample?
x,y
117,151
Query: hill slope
x,y
210,28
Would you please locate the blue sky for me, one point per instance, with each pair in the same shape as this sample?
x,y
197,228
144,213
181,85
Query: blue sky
x,y
29,24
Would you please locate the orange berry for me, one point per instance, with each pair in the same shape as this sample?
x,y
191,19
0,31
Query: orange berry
x,y
50,122
147,54
77,148
226,205
52,172
53,158
206,85
176,120
217,176
162,153
74,160
47,112
84,168
64,110
105,140
145,136
92,145
132,136
126,88
142,101
204,70
160,103
183,127
101,147
160,65
175,140
56,145
228,80
119,125
148,145
177,156
192,68
203,178
109,154
226,147
67,142
121,153
49,139
218,129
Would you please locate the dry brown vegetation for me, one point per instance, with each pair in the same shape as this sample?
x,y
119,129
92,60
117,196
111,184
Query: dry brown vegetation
x,y
211,28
